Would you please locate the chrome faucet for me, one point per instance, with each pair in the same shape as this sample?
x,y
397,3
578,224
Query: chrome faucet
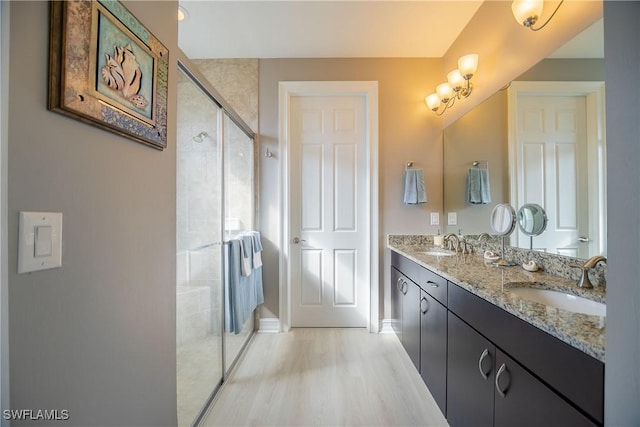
x,y
453,241
484,236
584,281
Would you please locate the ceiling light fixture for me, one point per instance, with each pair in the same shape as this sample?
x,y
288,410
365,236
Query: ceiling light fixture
x,y
527,12
458,85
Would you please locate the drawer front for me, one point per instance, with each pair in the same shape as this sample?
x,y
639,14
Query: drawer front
x,y
434,285
407,267
429,281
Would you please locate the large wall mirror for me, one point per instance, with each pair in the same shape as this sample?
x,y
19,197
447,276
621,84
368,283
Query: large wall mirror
x,y
541,141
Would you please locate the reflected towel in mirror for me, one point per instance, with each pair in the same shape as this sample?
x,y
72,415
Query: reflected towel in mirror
x,y
478,186
414,188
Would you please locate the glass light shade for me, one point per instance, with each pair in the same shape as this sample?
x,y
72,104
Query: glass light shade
x,y
468,65
433,101
455,79
182,13
527,12
444,91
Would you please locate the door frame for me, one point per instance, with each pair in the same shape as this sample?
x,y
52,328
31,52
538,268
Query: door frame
x,y
369,91
4,263
594,91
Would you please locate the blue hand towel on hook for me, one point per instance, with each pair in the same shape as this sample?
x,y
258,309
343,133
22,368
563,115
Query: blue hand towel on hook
x,y
414,189
478,186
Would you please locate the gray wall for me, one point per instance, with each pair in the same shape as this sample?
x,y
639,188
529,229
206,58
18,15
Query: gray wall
x,y
622,59
96,336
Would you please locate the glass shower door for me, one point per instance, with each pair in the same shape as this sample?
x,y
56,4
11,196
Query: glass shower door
x,y
239,211
199,292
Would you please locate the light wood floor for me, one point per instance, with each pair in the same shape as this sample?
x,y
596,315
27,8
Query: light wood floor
x,y
325,377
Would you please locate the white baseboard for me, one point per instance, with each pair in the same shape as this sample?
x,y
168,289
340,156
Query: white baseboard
x,y
385,327
269,325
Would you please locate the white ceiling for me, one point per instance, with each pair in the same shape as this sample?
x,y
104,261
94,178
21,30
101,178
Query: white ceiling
x,y
322,29
339,29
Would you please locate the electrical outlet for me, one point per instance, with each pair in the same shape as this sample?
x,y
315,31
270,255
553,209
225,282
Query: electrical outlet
x,y
435,218
452,218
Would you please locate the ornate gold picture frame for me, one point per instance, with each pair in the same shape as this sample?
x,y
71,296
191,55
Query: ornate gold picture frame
x,y
107,69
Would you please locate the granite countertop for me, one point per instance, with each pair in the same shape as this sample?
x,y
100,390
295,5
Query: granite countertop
x,y
491,283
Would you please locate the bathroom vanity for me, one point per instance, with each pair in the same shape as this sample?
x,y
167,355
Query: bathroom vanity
x,y
489,356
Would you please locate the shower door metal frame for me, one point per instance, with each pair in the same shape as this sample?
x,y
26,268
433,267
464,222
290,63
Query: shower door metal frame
x,y
191,71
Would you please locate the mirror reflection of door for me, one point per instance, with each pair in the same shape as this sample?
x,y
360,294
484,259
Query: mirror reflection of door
x,y
552,155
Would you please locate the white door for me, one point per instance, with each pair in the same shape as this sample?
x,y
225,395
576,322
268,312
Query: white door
x,y
328,212
552,156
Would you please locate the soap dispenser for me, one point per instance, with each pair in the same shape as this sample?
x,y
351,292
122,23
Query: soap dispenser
x,y
438,240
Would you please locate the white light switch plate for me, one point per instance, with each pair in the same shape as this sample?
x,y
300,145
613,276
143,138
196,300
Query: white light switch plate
x,y
452,218
435,218
46,227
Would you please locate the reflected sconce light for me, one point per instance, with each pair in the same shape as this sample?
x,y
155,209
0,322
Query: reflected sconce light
x,y
183,14
527,12
457,86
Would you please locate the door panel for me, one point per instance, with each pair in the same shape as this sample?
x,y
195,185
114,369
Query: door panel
x,y
329,260
552,153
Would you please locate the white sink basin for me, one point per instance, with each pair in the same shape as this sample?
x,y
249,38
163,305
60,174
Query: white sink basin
x,y
562,301
437,253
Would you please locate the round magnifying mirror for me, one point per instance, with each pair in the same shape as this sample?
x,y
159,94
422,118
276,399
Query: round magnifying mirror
x,y
503,219
532,219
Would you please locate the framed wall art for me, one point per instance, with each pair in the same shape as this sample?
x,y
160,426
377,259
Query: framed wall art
x,y
107,69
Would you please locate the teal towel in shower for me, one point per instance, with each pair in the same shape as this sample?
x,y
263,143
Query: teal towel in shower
x,y
478,186
414,189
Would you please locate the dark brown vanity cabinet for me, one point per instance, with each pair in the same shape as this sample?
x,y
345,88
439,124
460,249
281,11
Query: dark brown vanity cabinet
x,y
420,320
542,382
483,365
470,376
433,348
523,400
406,305
487,388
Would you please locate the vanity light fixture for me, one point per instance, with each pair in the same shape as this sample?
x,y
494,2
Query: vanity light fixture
x,y
527,12
457,86
182,13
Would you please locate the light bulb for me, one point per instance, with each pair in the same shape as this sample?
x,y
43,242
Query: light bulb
x,y
527,12
433,101
468,65
445,92
455,79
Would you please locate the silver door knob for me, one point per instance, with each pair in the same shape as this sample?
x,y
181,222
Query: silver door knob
x,y
297,240
583,239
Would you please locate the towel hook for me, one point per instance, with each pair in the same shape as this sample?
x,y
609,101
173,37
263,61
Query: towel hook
x,y
409,165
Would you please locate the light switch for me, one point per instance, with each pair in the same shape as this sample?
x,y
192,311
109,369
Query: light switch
x,y
435,218
452,218
40,241
43,241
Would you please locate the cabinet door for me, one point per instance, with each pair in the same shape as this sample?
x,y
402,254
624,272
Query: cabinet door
x,y
433,348
411,322
470,376
396,301
523,400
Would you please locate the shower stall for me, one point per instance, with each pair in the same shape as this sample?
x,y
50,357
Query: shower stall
x,y
215,201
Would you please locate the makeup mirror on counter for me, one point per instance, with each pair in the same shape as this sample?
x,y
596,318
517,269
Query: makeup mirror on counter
x,y
542,141
503,222
532,221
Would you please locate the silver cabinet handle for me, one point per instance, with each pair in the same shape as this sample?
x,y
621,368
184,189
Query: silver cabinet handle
x,y
483,356
502,370
399,284
432,284
405,287
424,310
